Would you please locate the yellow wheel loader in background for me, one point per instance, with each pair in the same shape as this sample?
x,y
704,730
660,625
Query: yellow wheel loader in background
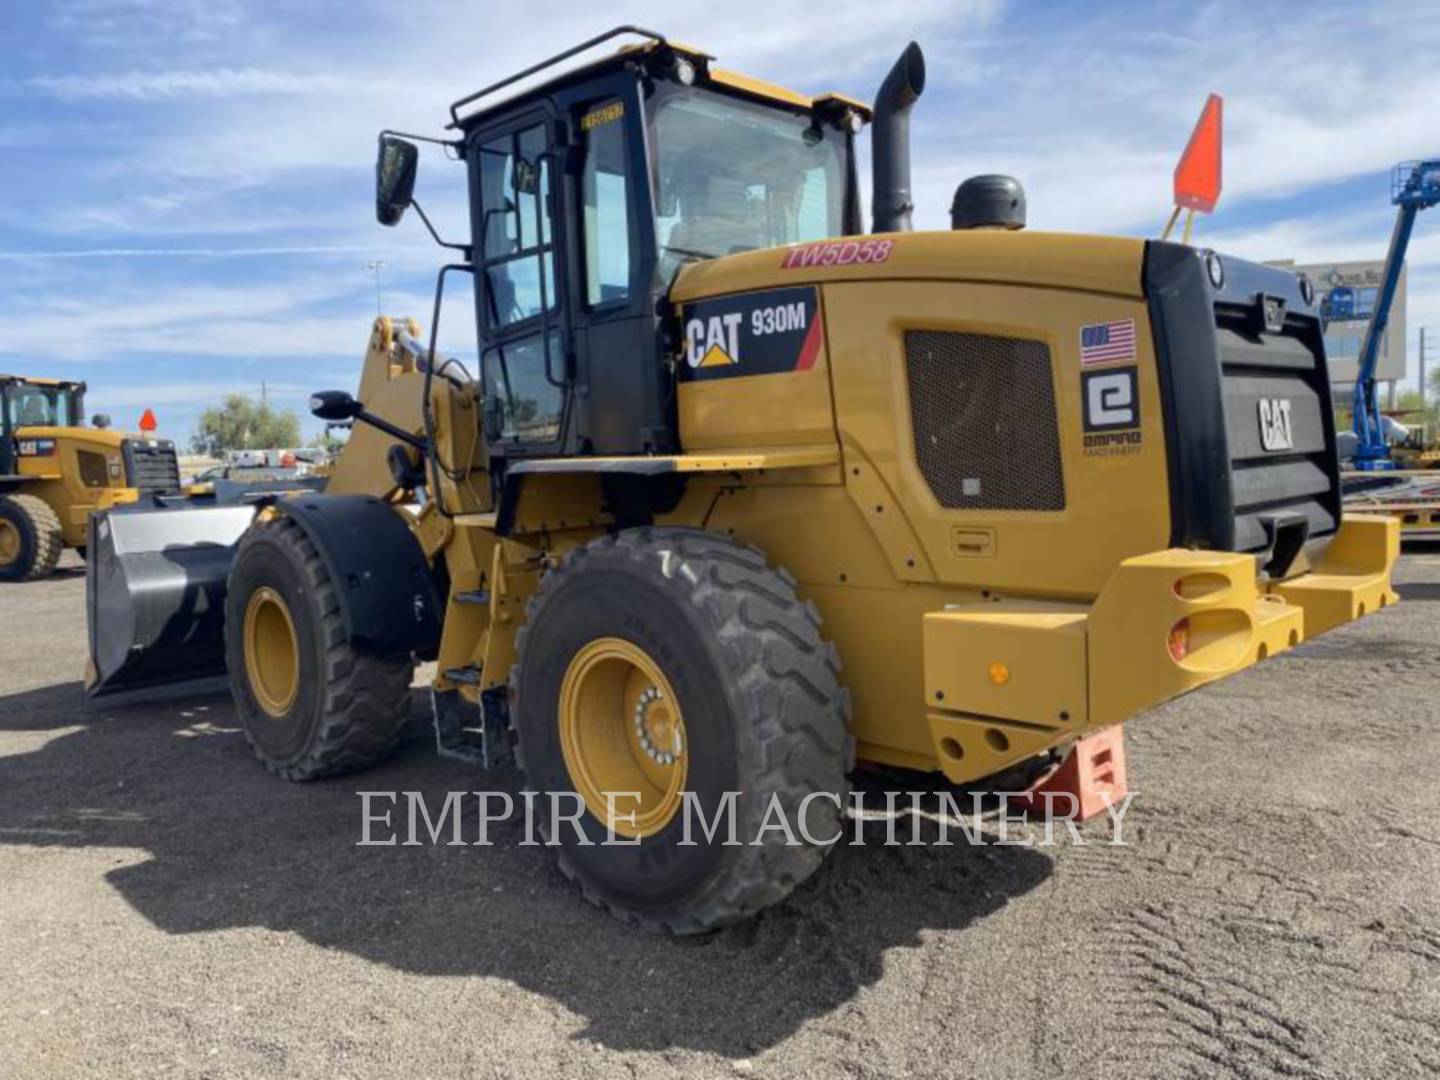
x,y
55,472
742,495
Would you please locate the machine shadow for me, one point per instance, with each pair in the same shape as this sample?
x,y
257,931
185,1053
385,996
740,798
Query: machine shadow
x,y
1419,590
220,844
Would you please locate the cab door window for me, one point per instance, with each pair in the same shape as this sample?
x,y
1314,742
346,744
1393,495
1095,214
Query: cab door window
x,y
525,402
523,359
516,243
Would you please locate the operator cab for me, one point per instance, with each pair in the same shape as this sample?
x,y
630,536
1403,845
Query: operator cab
x,y
35,403
588,193
41,402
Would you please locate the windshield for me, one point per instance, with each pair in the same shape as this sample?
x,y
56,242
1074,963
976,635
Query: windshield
x,y
38,406
733,176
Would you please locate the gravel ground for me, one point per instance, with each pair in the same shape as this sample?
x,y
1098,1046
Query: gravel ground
x,y
168,909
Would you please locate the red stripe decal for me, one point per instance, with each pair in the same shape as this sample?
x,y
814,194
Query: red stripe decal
x,y
810,347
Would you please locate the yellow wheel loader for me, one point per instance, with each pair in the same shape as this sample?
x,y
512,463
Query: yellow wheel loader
x,y
55,472
743,494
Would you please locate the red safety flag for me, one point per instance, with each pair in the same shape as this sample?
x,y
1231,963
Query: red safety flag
x,y
1197,177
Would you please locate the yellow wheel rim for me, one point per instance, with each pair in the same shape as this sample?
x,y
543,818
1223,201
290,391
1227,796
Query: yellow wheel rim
x,y
272,652
9,542
622,731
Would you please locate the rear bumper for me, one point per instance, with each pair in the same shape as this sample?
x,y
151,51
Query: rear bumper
x,y
76,520
1007,679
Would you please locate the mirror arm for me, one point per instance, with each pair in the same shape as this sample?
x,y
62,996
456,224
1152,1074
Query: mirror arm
x,y
391,430
464,249
453,144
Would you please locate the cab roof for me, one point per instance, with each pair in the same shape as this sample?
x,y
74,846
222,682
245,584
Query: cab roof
x,y
37,381
654,44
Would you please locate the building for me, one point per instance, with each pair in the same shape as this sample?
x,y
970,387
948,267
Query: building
x,y
1346,293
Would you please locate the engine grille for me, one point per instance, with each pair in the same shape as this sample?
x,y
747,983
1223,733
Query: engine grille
x,y
152,466
1259,369
983,412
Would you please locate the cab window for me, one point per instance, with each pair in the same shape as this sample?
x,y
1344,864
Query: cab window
x,y
528,404
34,406
523,358
732,176
605,195
516,244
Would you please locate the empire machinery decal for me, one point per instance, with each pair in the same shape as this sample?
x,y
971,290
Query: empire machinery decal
x,y
761,333
1111,400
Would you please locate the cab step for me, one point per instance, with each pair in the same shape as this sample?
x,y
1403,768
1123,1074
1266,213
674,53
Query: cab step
x,y
469,675
476,736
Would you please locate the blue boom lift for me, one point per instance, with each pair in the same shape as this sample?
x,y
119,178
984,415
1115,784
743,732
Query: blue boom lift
x,y
1414,186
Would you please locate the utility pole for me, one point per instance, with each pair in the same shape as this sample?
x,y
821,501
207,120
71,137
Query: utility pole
x,y
1422,369
1425,430
377,265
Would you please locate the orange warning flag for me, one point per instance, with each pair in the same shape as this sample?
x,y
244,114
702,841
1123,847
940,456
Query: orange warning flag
x,y
1197,177
147,421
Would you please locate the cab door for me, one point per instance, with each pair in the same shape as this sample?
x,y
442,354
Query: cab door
x,y
7,442
524,339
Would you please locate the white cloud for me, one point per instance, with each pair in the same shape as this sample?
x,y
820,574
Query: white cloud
x,y
184,253
182,85
119,24
233,136
201,393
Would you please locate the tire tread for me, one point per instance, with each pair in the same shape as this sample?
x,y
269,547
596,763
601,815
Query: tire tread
x,y
788,678
366,699
48,534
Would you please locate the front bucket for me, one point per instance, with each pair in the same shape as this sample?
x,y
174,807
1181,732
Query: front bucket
x,y
155,594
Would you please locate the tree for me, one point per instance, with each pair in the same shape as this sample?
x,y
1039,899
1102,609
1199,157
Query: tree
x,y
243,424
329,440
1408,401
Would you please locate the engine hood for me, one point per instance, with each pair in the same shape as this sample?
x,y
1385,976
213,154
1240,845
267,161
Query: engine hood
x,y
101,438
1099,264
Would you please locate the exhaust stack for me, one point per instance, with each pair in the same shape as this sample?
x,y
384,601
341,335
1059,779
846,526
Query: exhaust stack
x,y
890,142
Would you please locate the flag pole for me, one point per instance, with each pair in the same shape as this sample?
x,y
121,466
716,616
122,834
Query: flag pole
x,y
1170,225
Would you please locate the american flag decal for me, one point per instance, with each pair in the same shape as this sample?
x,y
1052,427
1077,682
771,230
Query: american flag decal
x,y
1107,343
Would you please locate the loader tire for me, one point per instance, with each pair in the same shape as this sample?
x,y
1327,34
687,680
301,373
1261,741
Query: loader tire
x,y
30,538
701,655
337,710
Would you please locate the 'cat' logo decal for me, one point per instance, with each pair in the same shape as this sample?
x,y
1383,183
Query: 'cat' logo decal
x,y
762,333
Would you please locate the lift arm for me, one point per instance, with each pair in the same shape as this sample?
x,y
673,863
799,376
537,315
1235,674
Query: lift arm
x,y
1415,187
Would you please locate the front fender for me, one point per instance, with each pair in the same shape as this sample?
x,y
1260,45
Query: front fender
x,y
387,590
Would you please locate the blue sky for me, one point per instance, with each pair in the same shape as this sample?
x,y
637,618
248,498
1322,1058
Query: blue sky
x,y
187,208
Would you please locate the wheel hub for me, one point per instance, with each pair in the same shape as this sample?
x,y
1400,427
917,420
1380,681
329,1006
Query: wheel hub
x,y
272,652
9,543
622,734
655,727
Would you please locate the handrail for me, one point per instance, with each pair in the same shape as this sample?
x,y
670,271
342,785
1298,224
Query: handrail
x,y
510,80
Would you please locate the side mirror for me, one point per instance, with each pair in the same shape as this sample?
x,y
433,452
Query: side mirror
x,y
394,178
100,420
334,406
